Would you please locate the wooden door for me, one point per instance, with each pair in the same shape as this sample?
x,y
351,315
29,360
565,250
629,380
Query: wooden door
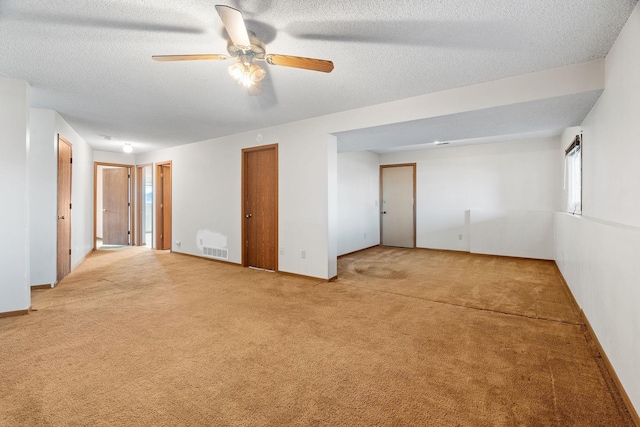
x,y
163,206
64,208
115,206
260,207
398,205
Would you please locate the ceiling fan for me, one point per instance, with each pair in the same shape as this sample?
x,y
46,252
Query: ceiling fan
x,y
247,48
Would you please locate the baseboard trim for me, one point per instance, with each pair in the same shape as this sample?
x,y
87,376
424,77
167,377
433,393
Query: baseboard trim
x,y
235,264
83,259
302,276
359,250
567,288
207,259
14,313
43,286
607,363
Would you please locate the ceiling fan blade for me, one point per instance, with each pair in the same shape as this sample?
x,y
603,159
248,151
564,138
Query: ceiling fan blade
x,y
234,24
213,56
300,62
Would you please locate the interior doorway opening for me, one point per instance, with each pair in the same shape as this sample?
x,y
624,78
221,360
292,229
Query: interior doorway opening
x,y
144,203
113,213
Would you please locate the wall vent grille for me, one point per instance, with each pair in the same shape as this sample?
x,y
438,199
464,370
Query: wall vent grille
x,y
215,252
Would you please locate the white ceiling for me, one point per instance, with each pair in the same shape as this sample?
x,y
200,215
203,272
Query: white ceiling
x,y
91,62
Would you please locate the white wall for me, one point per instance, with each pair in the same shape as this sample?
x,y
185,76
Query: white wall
x,y
599,253
43,190
14,227
526,234
120,158
206,186
358,223
332,206
45,125
204,193
599,261
467,195
305,163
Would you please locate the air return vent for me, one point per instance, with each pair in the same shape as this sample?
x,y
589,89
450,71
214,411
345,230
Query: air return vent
x,y
215,252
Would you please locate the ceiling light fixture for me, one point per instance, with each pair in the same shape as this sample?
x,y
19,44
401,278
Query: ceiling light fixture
x,y
127,148
246,73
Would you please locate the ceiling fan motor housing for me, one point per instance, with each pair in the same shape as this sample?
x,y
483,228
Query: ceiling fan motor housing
x,y
255,51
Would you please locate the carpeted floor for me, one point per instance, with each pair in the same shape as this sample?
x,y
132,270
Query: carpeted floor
x,y
403,337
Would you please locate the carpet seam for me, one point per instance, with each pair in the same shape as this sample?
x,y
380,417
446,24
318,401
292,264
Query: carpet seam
x,y
468,307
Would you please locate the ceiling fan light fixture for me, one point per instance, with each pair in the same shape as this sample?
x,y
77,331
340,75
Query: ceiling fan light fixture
x,y
256,73
236,70
245,80
245,74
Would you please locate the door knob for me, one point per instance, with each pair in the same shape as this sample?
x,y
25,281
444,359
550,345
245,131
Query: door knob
x,y
248,215
384,212
61,217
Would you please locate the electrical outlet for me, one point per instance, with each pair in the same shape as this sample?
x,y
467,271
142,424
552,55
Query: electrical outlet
x,y
303,254
178,243
281,251
459,236
365,235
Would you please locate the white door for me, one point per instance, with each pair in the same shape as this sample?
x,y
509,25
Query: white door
x,y
398,223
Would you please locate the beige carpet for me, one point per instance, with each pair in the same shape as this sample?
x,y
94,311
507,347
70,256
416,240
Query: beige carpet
x,y
403,337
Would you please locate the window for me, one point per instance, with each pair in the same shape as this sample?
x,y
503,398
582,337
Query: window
x,y
573,176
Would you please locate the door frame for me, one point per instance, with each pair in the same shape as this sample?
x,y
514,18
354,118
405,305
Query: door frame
x,y
63,140
95,199
415,202
158,190
141,202
244,200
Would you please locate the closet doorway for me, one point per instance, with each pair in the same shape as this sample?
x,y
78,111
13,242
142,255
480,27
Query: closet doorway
x,y
260,207
398,207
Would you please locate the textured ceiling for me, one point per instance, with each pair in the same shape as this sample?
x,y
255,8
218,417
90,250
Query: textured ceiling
x,y
91,61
